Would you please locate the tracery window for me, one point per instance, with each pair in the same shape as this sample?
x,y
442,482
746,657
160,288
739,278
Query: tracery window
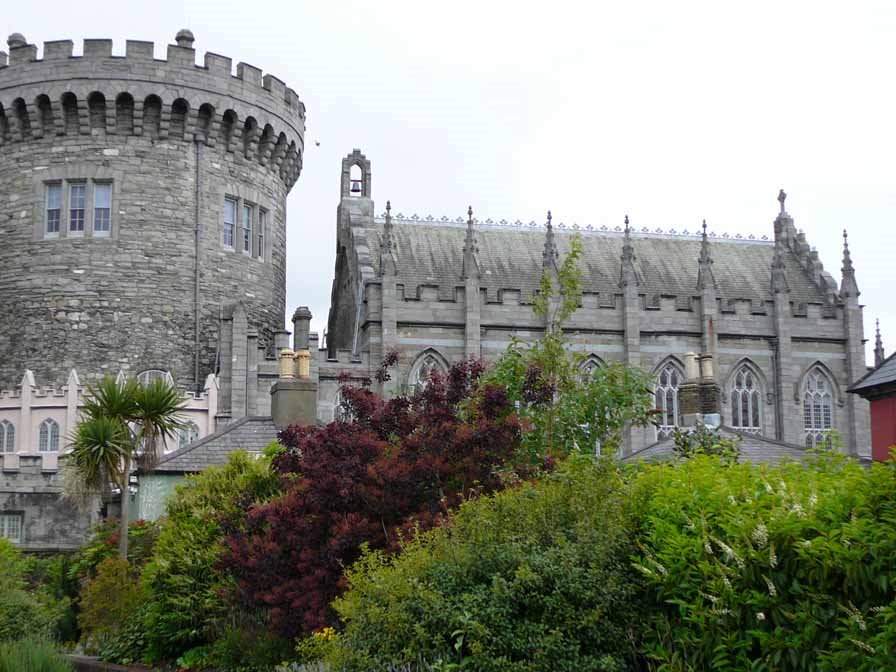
x,y
187,434
746,401
589,366
7,437
48,436
666,393
150,375
421,372
818,409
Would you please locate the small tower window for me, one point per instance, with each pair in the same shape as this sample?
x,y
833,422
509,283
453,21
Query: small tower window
x,y
667,401
48,437
7,437
246,229
102,209
229,222
262,227
356,177
77,198
54,209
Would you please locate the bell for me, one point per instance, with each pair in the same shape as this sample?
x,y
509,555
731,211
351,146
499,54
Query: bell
x,y
356,186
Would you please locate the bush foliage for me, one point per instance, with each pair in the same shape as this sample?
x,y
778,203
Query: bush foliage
x,y
108,600
534,578
397,465
31,655
25,611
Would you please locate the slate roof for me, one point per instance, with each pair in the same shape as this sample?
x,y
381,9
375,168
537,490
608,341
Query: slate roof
x,y
882,376
251,433
753,448
511,258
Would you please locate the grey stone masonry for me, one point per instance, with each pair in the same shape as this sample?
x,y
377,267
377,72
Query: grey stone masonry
x,y
439,290
114,172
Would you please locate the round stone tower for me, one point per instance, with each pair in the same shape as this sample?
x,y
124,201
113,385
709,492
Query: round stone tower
x,y
138,197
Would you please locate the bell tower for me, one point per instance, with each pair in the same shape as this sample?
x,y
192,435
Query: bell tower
x,y
355,176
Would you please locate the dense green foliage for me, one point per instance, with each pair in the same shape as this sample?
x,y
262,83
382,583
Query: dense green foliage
x,y
107,601
24,611
31,655
760,568
534,578
187,594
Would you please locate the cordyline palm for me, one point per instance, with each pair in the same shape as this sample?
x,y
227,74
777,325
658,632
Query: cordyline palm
x,y
123,423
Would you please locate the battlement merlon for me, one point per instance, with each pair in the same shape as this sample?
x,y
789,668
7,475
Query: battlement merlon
x,y
249,85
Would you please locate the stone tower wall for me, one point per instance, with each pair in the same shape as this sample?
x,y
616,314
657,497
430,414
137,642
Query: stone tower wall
x,y
173,139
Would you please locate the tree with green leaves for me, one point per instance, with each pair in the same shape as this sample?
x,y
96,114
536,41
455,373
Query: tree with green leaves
x,y
564,408
122,424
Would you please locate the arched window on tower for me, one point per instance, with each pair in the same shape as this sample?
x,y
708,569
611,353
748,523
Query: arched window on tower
x,y
178,126
818,408
70,113
124,114
152,116
746,401
204,120
666,392
7,437
591,364
427,364
228,123
96,107
48,436
45,114
23,121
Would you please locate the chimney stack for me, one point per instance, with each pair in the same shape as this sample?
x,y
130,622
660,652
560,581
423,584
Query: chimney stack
x,y
700,397
294,395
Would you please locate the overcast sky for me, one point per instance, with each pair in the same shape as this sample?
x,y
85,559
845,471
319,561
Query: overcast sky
x,y
669,111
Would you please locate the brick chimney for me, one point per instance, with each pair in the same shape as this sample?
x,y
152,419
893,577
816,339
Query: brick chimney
x,y
700,397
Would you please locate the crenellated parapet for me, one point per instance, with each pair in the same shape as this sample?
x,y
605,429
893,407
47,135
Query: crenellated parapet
x,y
247,115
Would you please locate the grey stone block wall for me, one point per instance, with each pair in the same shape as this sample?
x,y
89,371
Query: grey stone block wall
x,y
126,301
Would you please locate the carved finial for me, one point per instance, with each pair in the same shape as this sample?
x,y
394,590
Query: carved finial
x,y
184,38
705,276
781,198
471,250
387,248
550,255
879,355
16,40
848,285
627,274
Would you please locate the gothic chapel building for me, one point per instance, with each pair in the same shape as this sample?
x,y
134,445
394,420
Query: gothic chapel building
x,y
787,340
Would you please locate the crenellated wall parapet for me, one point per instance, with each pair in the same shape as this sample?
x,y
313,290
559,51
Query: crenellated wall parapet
x,y
248,115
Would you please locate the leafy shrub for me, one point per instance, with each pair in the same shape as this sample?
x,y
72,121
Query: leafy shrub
x,y
31,655
247,649
103,543
768,568
187,595
23,613
128,643
108,601
398,464
534,578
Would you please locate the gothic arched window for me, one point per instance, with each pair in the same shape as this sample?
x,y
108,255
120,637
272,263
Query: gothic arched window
x,y
667,400
187,434
48,437
818,408
150,375
7,437
589,366
422,371
746,401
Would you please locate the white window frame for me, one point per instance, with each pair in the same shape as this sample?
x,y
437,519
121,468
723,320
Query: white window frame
x,y
7,437
102,233
261,233
230,227
74,185
187,434
48,436
665,429
818,408
61,191
148,375
246,227
10,531
746,396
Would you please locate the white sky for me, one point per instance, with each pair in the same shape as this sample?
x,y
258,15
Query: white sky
x,y
668,111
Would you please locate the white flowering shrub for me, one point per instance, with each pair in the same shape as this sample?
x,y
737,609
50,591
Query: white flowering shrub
x,y
767,568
